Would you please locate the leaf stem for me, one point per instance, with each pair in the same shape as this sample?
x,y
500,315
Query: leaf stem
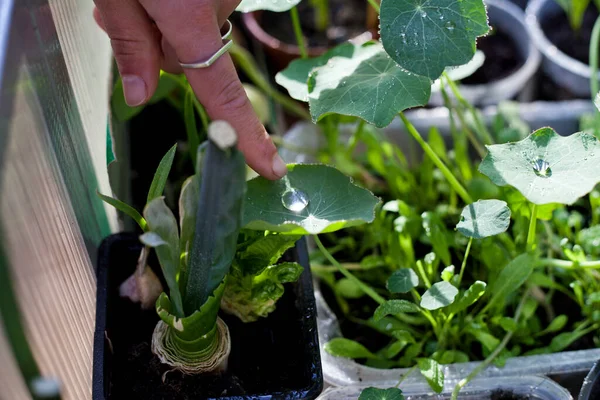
x,y
532,228
375,6
464,263
363,286
437,161
246,63
484,364
423,274
594,43
298,32
556,263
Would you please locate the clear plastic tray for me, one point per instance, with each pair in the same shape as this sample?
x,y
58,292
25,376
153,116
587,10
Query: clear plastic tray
x,y
529,387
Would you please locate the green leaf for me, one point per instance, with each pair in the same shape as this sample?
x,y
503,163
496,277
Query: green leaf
x,y
489,341
484,218
469,297
325,200
393,307
263,252
436,232
247,6
188,208
295,77
162,223
392,350
440,295
372,393
369,86
402,281
433,373
564,340
125,208
512,277
448,273
404,336
589,239
191,128
162,173
218,221
546,167
349,289
284,272
556,325
342,347
426,37
453,356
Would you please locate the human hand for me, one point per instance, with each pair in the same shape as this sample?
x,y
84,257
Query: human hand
x,y
150,35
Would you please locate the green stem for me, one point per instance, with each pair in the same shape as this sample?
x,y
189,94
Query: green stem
x,y
279,141
481,128
594,43
298,32
464,263
321,9
246,63
556,263
484,364
354,139
423,274
403,377
437,161
376,6
363,286
532,229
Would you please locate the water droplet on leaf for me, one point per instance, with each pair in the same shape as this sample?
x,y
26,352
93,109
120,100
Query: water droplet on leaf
x,y
450,25
294,200
542,168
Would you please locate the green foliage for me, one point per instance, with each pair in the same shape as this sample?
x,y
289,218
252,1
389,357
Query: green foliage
x,y
440,295
484,218
341,347
392,307
402,281
433,373
381,394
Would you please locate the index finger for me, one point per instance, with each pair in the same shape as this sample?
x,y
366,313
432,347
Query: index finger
x,y
195,35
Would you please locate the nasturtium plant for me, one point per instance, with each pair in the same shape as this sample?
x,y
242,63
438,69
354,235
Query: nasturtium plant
x,y
369,85
439,295
246,6
426,37
484,218
381,394
546,167
310,199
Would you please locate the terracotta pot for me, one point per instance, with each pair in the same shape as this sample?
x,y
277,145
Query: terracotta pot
x,y
279,53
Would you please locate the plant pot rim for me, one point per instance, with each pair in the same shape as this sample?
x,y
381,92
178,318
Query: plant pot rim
x,y
343,372
533,15
504,88
251,21
591,382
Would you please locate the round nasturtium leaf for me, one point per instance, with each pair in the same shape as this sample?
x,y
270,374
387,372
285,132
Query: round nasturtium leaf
x,y
484,218
440,295
368,85
546,167
268,5
402,281
425,37
310,199
372,393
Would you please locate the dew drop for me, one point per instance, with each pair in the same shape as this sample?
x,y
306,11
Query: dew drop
x,y
403,37
542,168
423,14
294,200
450,25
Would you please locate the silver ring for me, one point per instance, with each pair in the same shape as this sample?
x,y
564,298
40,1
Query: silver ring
x,y
226,46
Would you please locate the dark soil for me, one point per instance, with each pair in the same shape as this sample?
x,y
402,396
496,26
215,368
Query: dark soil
x,y
573,44
501,58
507,395
347,20
268,356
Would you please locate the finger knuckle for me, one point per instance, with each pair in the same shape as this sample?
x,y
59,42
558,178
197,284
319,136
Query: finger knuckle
x,y
231,98
128,47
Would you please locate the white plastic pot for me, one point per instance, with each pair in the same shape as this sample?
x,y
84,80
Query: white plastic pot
x,y
565,71
510,19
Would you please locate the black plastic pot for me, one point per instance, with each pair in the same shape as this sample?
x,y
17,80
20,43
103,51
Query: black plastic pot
x,y
591,385
274,358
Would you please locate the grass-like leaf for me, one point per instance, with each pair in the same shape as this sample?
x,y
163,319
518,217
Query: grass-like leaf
x,y
127,209
162,173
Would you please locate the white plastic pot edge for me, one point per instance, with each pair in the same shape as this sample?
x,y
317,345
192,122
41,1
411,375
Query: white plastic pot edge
x,y
550,52
507,87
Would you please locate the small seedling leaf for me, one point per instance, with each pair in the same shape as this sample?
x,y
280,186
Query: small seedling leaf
x,y
372,393
402,281
393,307
436,232
349,289
440,295
404,336
484,218
295,77
125,208
426,37
369,85
556,325
512,276
310,199
433,373
162,173
546,167
341,347
469,297
448,273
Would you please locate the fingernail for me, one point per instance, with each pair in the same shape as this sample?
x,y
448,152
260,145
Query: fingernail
x,y
279,167
134,89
